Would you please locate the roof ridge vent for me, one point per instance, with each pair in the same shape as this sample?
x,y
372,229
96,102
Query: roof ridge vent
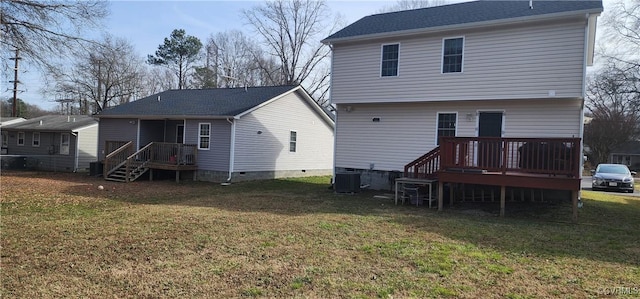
x,y
158,98
530,4
40,123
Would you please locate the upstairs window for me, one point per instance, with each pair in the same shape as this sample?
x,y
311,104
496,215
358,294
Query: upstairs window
x,y
5,139
390,54
20,138
293,140
204,136
36,139
452,53
446,125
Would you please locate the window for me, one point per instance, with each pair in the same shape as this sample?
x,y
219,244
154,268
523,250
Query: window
x,y
390,60
622,159
293,138
36,139
21,138
452,49
64,143
204,136
5,139
446,125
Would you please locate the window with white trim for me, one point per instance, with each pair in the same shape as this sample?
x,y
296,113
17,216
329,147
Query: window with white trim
x,y
35,141
446,125
452,54
293,140
65,140
204,136
21,138
390,58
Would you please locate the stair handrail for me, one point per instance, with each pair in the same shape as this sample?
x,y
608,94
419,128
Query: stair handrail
x,y
115,159
137,160
429,163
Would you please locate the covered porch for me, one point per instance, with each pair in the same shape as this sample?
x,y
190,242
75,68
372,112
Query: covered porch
x,y
536,163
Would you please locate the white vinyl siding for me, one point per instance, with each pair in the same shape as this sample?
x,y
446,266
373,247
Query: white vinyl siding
x,y
408,130
269,149
204,136
35,139
503,63
20,140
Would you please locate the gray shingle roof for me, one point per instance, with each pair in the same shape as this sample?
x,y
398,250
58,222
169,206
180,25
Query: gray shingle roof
x,y
457,14
53,123
629,148
198,102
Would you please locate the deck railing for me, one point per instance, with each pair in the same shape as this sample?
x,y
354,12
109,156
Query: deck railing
x,y
554,156
426,166
173,153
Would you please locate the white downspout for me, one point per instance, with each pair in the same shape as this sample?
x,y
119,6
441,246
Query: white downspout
x,y
335,123
231,148
75,166
584,93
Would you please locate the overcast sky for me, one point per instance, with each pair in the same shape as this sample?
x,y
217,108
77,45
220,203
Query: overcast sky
x,y
146,23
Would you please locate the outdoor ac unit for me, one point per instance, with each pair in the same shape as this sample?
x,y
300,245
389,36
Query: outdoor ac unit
x,y
347,182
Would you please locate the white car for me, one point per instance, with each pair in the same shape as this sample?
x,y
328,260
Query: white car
x,y
613,177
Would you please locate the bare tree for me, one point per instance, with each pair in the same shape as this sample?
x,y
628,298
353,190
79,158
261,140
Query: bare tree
x,y
614,90
43,30
411,4
291,30
616,115
157,79
108,75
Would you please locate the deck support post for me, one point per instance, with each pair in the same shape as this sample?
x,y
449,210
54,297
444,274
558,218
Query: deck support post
x,y
574,205
440,195
150,174
177,176
503,190
451,195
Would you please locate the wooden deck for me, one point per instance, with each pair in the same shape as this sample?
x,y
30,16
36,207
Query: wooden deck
x,y
537,163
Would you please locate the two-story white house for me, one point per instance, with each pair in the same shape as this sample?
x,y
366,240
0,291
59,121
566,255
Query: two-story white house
x,y
403,82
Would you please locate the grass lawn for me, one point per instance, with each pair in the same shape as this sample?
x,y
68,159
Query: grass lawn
x,y
62,237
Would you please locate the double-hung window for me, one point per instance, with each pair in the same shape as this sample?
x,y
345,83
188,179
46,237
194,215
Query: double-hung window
x,y
446,125
5,139
293,140
204,136
390,58
452,55
35,139
65,139
20,141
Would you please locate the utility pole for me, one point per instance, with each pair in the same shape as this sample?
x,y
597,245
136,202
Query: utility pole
x,y
14,110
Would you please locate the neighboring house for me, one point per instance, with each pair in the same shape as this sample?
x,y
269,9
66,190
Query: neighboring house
x,y
628,154
51,142
225,134
5,121
403,82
